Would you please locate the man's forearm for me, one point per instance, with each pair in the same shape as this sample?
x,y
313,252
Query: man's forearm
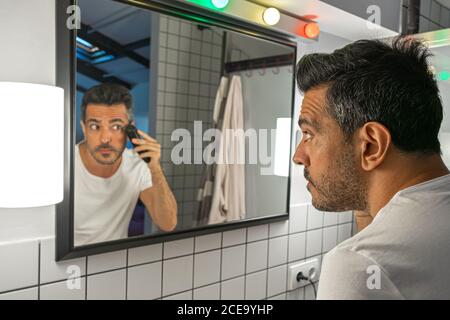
x,y
165,206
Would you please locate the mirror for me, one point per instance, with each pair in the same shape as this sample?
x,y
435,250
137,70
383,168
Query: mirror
x,y
210,103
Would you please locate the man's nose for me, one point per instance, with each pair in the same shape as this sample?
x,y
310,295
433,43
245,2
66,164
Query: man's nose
x,y
105,135
300,156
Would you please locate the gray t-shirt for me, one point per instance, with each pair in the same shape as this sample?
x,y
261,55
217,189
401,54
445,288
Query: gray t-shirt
x,y
403,254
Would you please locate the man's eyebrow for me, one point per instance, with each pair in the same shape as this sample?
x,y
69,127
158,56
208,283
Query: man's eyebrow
x,y
116,120
93,120
311,123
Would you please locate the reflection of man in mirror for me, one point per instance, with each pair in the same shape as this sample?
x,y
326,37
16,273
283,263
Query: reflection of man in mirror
x,y
109,178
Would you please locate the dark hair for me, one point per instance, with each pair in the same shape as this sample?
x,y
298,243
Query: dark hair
x,y
108,94
386,82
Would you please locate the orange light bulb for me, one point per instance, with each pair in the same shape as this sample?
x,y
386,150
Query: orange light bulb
x,y
312,30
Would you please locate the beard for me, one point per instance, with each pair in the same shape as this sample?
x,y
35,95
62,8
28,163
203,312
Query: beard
x,y
341,187
105,159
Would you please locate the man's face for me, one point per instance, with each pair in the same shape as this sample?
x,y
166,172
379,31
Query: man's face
x,y
103,132
335,179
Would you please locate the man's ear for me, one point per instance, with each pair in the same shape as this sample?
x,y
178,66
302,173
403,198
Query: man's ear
x,y
374,141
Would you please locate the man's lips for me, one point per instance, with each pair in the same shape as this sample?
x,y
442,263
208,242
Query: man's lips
x,y
105,150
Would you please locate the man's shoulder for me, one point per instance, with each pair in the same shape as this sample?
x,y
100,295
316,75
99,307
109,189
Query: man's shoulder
x,y
351,273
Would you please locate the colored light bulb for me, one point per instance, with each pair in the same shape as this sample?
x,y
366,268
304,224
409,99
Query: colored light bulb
x,y
219,4
271,16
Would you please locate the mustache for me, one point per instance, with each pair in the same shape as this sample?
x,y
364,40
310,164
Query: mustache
x,y
105,146
308,176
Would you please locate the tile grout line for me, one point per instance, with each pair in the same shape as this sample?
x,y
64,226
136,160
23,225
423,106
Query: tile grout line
x,y
306,243
126,276
221,261
162,269
193,267
245,263
86,283
267,268
287,259
39,270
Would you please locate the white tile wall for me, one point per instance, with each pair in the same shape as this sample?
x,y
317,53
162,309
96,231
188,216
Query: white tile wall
x,y
207,268
297,246
247,262
276,279
329,238
51,271
178,248
23,255
107,286
208,242
330,218
256,256
256,286
233,262
345,217
298,218
234,237
107,261
145,254
315,218
344,232
278,251
26,294
258,233
211,292
278,229
144,281
187,295
313,242
233,289
76,290
177,275
278,297
297,294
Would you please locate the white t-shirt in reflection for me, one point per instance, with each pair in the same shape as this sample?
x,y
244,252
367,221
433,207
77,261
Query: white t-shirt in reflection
x,y
104,206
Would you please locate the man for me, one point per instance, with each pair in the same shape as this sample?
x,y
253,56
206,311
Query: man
x,y
109,178
370,120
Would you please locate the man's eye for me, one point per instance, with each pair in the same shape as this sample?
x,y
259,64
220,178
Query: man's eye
x,y
306,135
93,127
117,127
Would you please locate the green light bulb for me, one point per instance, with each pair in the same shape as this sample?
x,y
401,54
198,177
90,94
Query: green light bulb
x,y
444,75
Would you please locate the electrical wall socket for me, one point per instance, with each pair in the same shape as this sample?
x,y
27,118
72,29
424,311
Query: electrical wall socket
x,y
309,269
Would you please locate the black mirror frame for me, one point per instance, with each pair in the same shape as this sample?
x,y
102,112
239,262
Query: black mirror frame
x,y
65,78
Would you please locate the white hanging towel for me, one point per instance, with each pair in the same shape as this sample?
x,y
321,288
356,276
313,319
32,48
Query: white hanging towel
x,y
204,196
228,199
